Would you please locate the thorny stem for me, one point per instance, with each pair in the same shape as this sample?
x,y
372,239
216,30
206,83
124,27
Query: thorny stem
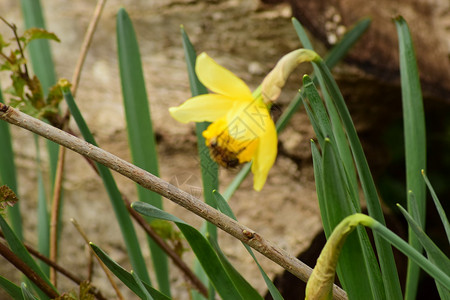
x,y
102,265
94,290
25,269
153,183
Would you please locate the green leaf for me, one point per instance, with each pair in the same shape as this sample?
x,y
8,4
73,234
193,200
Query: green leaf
x,y
209,168
412,253
141,137
438,205
8,174
126,277
356,281
415,141
42,63
26,293
13,290
141,286
318,177
316,110
37,33
226,209
43,226
19,249
41,57
242,285
201,248
435,255
122,216
384,250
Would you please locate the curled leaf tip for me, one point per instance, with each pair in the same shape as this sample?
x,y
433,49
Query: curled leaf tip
x,y
276,79
320,283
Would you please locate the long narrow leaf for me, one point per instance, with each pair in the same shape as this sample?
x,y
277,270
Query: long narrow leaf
x,y
384,250
141,286
226,209
412,253
43,68
43,226
122,216
8,174
19,249
415,141
40,52
202,249
141,137
208,167
338,133
242,285
438,205
26,293
9,287
356,281
434,254
320,189
42,63
126,277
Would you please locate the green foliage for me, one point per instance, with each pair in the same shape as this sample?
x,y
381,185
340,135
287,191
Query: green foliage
x,y
13,290
203,250
415,141
7,197
122,216
127,278
141,137
340,169
26,92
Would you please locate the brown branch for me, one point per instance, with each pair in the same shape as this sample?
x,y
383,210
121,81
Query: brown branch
x,y
14,30
85,45
94,290
25,269
54,216
197,284
174,194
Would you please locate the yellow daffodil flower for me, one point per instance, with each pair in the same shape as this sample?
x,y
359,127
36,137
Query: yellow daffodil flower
x,y
241,130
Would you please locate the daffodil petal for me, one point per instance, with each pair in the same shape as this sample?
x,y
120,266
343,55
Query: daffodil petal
x,y
265,156
248,120
208,107
220,80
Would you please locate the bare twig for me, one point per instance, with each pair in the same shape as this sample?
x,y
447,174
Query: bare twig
x,y
14,30
163,245
25,269
102,265
94,290
153,183
61,160
86,43
54,216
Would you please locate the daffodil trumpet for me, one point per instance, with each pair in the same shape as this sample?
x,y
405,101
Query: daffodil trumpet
x,y
242,129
